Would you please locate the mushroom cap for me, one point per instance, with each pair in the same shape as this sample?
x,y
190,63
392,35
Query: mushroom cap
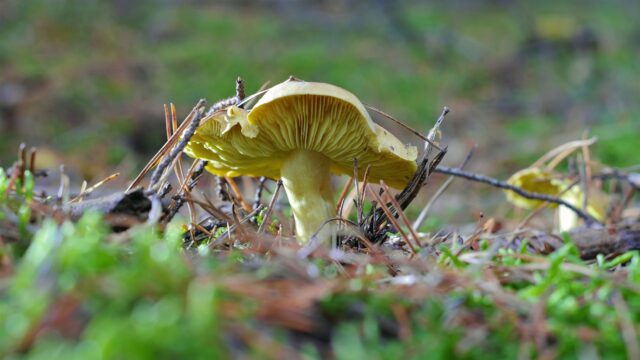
x,y
543,181
534,180
298,115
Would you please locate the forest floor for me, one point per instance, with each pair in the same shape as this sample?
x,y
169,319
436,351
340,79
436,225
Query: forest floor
x,y
208,267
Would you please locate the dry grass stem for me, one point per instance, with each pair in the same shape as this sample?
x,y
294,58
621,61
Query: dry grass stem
x,y
272,204
413,131
391,219
627,326
425,211
166,148
343,196
556,155
400,213
237,194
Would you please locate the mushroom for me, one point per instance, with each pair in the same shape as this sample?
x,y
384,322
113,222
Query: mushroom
x,y
543,181
301,132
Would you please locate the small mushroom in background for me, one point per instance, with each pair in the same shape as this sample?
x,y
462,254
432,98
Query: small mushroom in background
x,y
537,180
302,132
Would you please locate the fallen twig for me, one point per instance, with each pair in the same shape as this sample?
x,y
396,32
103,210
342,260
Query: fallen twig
x,y
186,135
163,150
376,217
261,183
590,220
234,100
423,214
194,175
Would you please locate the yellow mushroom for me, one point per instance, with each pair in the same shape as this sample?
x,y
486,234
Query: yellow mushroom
x,y
301,132
541,181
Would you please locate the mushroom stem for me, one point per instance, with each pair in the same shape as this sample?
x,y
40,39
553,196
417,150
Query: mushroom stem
x,y
306,177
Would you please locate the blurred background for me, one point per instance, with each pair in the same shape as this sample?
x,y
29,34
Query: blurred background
x,y
85,81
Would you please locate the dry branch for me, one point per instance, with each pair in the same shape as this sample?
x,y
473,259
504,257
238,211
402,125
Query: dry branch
x,y
590,220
